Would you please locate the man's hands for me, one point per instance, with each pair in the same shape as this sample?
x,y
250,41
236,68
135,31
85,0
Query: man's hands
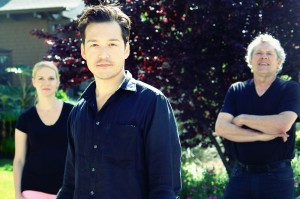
x,y
238,120
268,137
260,127
241,120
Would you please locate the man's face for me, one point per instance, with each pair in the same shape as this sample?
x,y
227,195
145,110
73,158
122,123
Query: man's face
x,y
104,50
264,61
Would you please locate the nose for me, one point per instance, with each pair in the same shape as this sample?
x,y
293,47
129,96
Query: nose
x,y
264,56
103,53
47,81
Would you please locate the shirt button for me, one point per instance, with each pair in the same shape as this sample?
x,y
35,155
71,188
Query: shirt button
x,y
95,146
97,123
93,169
92,192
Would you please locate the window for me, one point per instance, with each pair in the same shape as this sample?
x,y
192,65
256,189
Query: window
x,y
5,59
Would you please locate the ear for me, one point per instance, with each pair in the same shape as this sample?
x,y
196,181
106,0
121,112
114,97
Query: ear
x,y
250,62
279,61
127,50
33,82
82,51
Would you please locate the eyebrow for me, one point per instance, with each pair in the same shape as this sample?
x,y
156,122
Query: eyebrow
x,y
266,50
46,76
94,40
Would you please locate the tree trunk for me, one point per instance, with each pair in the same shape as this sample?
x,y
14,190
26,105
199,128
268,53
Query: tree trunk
x,y
226,157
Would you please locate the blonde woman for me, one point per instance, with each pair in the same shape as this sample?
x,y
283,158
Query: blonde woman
x,y
41,139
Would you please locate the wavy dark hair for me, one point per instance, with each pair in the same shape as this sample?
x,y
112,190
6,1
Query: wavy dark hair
x,y
104,13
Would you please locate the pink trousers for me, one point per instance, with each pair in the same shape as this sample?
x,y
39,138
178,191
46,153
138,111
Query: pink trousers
x,y
37,195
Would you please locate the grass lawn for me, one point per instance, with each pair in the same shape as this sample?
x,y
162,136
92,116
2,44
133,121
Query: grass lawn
x,y
6,179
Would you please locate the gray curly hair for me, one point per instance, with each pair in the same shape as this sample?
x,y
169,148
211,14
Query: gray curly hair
x,y
266,38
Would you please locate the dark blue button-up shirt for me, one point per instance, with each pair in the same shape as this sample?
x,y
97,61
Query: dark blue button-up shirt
x,y
128,150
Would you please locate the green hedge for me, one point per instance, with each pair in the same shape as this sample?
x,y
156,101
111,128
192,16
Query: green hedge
x,y
209,183
202,183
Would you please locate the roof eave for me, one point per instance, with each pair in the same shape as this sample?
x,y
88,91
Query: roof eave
x,y
55,9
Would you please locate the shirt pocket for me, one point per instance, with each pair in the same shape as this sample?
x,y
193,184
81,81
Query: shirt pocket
x,y
121,143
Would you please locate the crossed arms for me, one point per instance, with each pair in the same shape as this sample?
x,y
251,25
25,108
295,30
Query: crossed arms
x,y
261,128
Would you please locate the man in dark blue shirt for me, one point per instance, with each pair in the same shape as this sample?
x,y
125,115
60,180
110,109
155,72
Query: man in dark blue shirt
x,y
123,140
258,117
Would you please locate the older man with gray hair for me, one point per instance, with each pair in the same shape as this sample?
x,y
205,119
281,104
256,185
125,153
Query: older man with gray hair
x,y
258,117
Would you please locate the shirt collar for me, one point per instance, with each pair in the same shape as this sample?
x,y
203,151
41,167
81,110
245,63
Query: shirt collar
x,y
129,84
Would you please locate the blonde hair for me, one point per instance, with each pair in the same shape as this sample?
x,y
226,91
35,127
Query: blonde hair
x,y
47,64
266,38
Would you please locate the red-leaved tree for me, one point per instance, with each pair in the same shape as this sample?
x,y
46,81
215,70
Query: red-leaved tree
x,y
191,49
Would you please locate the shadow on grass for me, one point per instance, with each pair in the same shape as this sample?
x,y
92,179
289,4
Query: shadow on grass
x,y
6,164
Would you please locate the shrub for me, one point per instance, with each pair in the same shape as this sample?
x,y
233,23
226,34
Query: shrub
x,y
199,183
296,168
298,140
7,147
209,183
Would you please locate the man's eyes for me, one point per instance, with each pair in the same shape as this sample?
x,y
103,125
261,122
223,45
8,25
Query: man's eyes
x,y
110,44
260,53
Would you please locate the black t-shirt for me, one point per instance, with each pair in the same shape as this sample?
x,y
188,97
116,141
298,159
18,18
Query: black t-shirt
x,y
46,153
281,96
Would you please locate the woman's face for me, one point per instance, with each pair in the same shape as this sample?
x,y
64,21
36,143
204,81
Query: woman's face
x,y
45,81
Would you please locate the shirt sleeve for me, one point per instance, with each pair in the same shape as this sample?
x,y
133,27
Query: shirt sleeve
x,y
229,102
21,123
163,151
291,99
67,190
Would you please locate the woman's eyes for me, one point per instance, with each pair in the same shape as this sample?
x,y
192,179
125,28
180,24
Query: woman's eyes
x,y
50,78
